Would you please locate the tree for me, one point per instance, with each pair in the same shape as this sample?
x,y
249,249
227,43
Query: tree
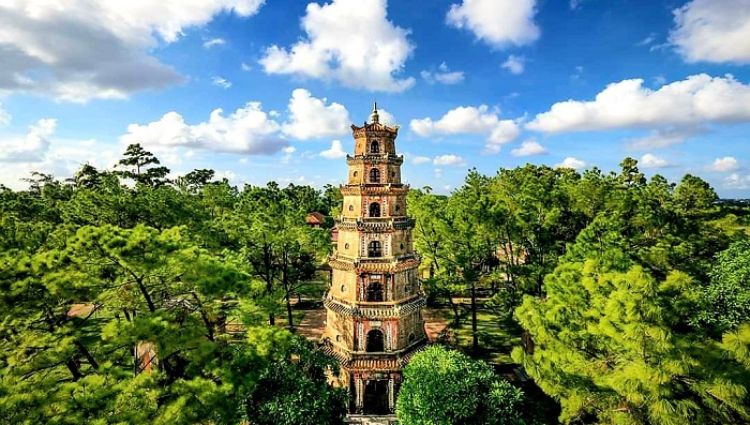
x,y
195,180
68,362
470,242
295,393
445,387
611,346
140,165
532,213
725,300
269,231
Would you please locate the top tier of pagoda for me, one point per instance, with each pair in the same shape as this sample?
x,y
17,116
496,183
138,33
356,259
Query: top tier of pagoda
x,y
374,138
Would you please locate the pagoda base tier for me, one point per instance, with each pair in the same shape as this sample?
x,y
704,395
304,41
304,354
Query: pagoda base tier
x,y
355,419
373,379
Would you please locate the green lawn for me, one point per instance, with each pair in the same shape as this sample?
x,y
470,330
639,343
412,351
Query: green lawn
x,y
496,338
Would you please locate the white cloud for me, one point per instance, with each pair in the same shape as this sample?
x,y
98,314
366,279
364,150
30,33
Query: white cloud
x,y
470,120
213,43
248,130
348,41
245,67
221,82
529,148
652,161
449,159
571,162
443,75
713,31
725,164
737,181
40,151
419,160
386,117
673,111
29,148
514,64
288,151
4,116
336,151
311,118
76,50
438,173
663,137
497,22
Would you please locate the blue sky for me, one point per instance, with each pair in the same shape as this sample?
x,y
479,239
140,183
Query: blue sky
x,y
472,83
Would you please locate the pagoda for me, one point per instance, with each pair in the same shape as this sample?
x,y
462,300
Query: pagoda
x,y
374,320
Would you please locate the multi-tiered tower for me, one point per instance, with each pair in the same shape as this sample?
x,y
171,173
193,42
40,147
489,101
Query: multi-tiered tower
x,y
374,319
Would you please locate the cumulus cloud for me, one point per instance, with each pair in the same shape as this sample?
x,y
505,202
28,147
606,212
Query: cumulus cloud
x,y
497,22
443,75
248,130
39,150
529,148
29,148
725,164
221,82
310,117
335,152
571,162
213,43
690,103
419,160
77,50
737,181
348,41
514,64
470,120
713,31
652,161
449,159
664,137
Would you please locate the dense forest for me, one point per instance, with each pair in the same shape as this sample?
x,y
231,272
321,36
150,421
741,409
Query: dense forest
x,y
631,296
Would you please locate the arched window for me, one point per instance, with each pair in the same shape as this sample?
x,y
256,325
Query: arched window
x,y
375,292
374,147
374,175
375,343
412,337
374,249
374,209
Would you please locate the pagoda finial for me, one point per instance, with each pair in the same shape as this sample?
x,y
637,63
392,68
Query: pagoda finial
x,y
374,117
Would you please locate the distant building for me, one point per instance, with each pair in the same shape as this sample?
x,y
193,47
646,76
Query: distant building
x,y
315,219
374,306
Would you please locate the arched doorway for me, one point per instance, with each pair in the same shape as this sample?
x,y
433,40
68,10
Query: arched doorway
x,y
374,147
375,209
374,175
376,397
375,341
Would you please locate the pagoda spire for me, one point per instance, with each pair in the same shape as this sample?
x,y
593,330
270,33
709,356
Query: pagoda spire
x,y
375,117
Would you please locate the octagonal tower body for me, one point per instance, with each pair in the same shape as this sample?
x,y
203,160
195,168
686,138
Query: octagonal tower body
x,y
374,318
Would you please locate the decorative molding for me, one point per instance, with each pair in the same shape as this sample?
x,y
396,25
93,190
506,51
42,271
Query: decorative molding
x,y
372,312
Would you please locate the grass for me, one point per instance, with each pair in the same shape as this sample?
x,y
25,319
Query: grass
x,y
496,337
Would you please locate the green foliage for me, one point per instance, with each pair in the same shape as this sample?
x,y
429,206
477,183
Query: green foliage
x,y
725,301
608,345
94,272
444,387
